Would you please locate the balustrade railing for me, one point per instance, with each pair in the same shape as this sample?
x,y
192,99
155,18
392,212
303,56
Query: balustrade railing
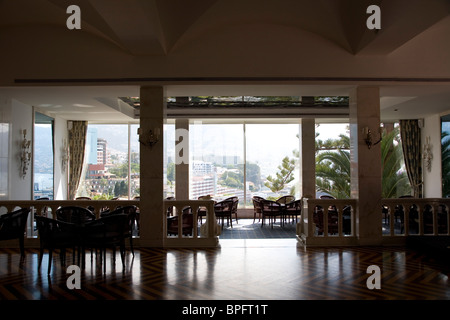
x,y
48,208
188,232
328,218
412,216
184,235
332,221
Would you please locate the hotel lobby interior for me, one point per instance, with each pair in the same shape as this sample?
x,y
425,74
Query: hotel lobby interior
x,y
142,64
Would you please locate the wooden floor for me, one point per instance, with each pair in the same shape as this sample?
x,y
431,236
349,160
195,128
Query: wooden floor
x,y
270,269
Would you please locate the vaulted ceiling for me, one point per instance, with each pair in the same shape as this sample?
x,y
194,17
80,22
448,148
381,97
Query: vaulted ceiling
x,y
225,46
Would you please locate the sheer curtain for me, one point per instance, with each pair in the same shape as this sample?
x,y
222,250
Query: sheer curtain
x,y
77,142
411,142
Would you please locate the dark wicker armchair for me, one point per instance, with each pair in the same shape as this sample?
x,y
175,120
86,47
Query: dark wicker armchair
x,y
74,214
13,226
55,234
271,210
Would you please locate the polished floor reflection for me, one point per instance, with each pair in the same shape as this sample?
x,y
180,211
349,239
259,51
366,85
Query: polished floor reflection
x,y
249,269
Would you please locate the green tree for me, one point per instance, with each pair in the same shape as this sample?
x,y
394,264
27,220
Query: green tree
x,y
395,181
121,189
333,173
284,175
333,167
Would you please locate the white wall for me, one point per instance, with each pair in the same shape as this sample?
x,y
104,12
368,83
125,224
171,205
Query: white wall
x,y
21,118
433,178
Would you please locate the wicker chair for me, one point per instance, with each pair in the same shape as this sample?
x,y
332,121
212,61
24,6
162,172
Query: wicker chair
x,y
13,225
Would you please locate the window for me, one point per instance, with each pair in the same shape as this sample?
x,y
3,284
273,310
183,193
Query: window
x,y
43,157
111,168
445,149
216,160
272,160
243,160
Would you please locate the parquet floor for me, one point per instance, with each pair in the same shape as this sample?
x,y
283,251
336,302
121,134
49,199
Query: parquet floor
x,y
271,269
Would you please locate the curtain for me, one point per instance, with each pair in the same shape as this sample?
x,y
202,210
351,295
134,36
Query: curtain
x,y
77,142
411,142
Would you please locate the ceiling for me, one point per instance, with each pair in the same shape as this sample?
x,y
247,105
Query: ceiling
x,y
102,104
254,47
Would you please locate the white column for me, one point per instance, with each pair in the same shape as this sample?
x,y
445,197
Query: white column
x,y
308,158
366,164
151,172
182,159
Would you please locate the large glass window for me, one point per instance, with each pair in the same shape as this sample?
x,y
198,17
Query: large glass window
x,y
43,157
272,160
169,160
216,160
445,148
244,160
111,168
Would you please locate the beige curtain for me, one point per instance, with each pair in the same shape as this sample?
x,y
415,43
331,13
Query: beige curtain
x,y
77,142
412,152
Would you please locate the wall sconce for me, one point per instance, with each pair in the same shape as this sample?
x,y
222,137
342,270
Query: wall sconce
x,y
149,138
368,137
427,153
25,154
64,155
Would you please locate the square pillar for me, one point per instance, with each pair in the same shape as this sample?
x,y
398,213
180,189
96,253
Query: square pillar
x,y
182,159
308,158
151,174
366,164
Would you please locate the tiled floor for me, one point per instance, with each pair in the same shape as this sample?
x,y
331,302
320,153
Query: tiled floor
x,y
246,229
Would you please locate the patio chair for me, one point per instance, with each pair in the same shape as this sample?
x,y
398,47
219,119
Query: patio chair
x,y
107,232
74,214
13,225
133,221
234,207
256,207
55,234
293,209
333,220
285,199
202,210
224,209
271,210
187,223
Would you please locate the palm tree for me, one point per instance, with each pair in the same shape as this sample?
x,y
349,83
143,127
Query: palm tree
x,y
333,168
395,181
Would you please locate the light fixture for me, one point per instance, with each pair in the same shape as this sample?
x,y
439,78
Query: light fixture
x,y
149,138
25,154
427,153
368,137
64,155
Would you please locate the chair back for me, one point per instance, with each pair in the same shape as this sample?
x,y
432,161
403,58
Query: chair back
x,y
13,224
115,225
53,230
74,214
224,206
269,206
256,205
294,205
131,212
285,199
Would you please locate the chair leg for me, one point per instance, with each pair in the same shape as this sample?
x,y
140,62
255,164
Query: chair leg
x,y
131,245
50,257
22,248
41,254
